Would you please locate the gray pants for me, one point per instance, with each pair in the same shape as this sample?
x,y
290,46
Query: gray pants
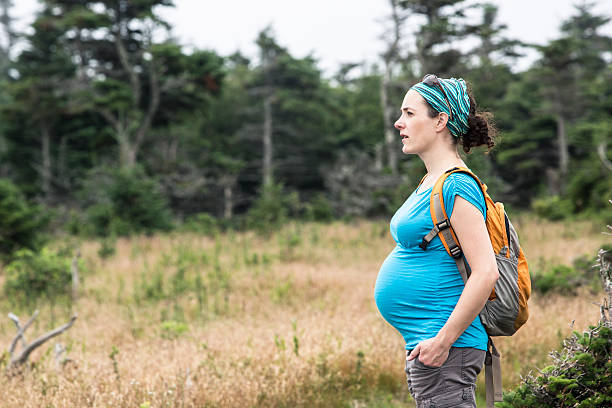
x,y
451,385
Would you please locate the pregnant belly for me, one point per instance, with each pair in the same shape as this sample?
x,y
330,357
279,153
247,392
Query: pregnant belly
x,y
406,290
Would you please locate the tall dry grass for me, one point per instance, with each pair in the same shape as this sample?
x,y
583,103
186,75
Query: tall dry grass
x,y
284,321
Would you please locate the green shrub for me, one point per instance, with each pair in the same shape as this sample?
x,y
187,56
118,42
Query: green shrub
x,y
565,279
319,209
202,223
31,275
553,208
560,278
124,201
21,223
272,208
108,247
581,375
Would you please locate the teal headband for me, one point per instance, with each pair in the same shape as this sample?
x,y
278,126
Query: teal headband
x,y
456,91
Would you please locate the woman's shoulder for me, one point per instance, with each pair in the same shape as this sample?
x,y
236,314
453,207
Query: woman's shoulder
x,y
460,181
463,185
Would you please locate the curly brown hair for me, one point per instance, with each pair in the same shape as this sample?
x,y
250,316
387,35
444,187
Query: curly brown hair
x,y
481,129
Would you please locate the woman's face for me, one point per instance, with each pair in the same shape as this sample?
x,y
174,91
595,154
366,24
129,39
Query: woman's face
x,y
417,129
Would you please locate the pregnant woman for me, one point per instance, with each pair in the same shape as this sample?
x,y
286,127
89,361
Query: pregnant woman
x,y
421,292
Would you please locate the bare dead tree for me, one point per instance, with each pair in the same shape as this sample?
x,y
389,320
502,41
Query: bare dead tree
x,y
228,182
391,58
18,359
74,268
601,152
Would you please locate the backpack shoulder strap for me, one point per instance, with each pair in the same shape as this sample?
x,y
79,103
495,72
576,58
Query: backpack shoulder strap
x,y
441,221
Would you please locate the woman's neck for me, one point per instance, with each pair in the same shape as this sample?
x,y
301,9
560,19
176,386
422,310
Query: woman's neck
x,y
437,162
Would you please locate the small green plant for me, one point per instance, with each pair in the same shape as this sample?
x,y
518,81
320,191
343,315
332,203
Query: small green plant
x,y
281,293
108,247
151,286
201,294
319,209
279,342
272,209
113,356
296,342
289,242
172,329
203,223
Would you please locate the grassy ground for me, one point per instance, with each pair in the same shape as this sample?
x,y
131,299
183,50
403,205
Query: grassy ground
x,y
238,320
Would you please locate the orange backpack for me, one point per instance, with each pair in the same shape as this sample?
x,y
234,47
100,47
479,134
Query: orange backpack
x,y
506,309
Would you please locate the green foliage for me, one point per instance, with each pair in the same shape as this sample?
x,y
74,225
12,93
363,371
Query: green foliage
x,y
319,209
203,223
580,377
553,207
282,292
565,279
113,356
108,247
186,272
34,274
272,208
126,201
172,329
21,223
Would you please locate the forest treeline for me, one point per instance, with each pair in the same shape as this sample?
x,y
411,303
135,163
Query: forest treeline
x,y
108,125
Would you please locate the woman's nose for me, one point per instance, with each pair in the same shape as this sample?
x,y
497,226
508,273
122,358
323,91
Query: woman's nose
x,y
397,124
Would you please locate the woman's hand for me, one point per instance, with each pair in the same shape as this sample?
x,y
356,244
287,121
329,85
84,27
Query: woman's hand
x,y
431,352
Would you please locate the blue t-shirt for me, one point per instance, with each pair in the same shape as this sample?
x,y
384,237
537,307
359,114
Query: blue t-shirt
x,y
417,290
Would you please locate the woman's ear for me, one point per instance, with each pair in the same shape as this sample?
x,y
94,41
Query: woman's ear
x,y
442,120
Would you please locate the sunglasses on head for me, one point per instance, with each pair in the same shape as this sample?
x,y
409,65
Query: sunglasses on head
x,y
432,80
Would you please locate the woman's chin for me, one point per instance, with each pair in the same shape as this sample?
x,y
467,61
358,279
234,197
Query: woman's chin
x,y
407,150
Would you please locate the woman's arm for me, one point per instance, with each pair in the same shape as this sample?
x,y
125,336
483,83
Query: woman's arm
x,y
470,229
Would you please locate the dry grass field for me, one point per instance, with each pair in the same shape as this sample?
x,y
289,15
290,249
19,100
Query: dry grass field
x,y
239,320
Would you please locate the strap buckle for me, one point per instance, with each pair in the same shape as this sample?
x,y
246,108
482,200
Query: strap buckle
x,y
443,225
456,252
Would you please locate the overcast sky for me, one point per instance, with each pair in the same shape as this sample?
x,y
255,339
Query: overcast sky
x,y
334,31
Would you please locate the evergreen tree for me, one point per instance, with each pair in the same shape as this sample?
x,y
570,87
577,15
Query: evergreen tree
x,y
444,24
571,61
119,73
297,117
39,100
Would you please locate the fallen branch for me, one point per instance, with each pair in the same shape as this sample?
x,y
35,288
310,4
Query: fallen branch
x,y
20,331
19,359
